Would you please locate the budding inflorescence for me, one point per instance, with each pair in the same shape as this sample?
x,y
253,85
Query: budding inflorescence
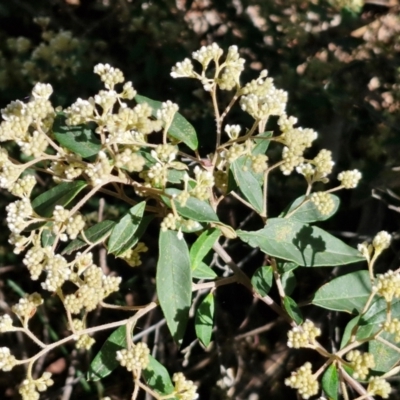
x,y
387,285
184,389
30,387
134,359
361,363
303,336
303,380
379,387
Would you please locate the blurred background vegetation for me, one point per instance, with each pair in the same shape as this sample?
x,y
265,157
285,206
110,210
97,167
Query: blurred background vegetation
x,y
339,61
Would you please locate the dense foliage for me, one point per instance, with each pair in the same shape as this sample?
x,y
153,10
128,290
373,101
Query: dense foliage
x,y
182,238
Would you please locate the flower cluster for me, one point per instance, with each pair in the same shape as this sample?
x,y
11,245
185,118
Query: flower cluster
x,y
6,323
303,336
380,242
393,327
27,123
26,307
82,341
7,360
93,288
65,225
295,141
323,201
132,256
387,285
30,387
349,179
227,74
262,99
361,363
134,359
379,387
303,380
184,389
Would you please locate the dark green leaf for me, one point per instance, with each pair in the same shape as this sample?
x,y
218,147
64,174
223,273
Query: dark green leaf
x,y
204,319
308,212
247,182
293,310
330,382
347,293
80,139
202,246
123,235
262,280
158,379
180,129
61,195
286,266
174,282
95,234
203,271
195,209
307,246
289,282
105,360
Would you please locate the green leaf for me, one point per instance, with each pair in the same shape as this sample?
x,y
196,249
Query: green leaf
x,y
307,246
157,378
123,236
48,236
348,293
371,321
262,280
180,129
195,209
80,139
348,331
61,195
385,356
289,282
174,282
203,271
308,212
175,176
105,360
95,234
202,246
293,310
286,266
262,143
247,182
330,382
204,319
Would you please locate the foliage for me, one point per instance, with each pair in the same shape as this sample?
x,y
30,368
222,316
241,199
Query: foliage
x,y
124,217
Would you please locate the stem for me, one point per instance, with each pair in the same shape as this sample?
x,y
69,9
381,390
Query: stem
x,y
230,105
277,278
31,335
214,284
86,198
354,384
237,197
265,195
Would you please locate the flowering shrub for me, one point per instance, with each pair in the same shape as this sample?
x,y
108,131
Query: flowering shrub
x,y
145,154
